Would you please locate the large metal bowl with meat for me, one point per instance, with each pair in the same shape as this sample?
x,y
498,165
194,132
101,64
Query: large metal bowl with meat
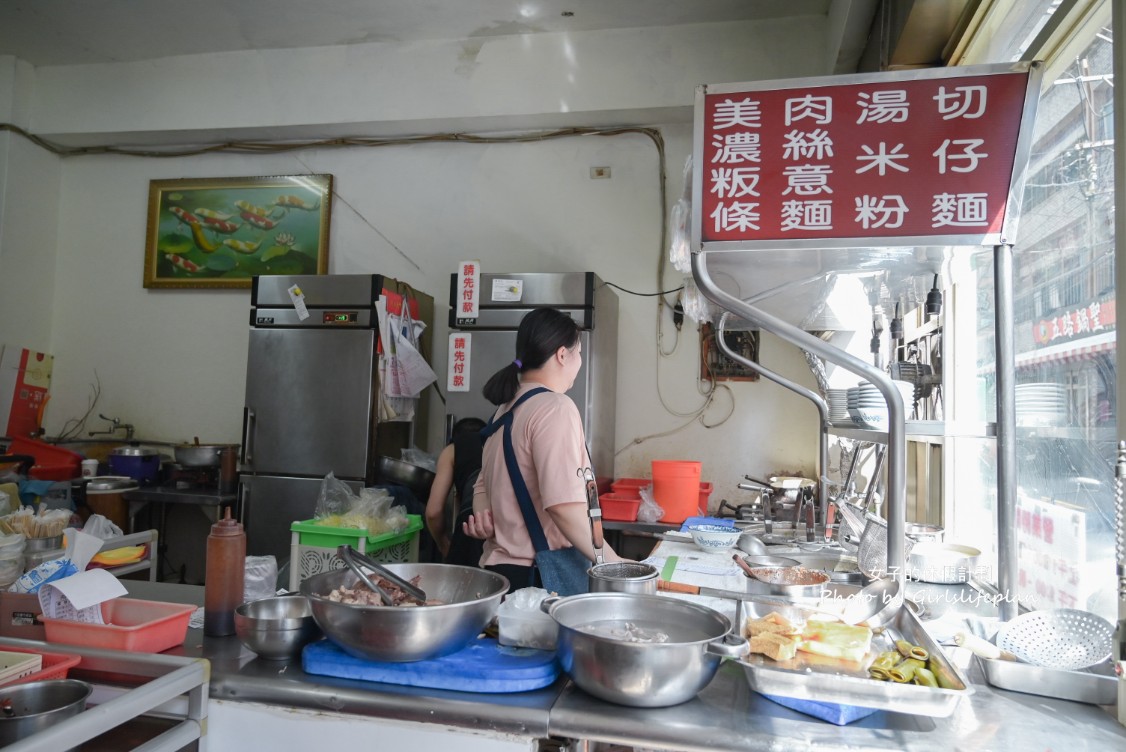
x,y
468,597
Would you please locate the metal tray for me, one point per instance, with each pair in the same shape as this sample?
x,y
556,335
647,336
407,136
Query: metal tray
x,y
812,677
1094,686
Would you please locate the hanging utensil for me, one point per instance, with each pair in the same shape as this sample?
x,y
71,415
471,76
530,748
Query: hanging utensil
x,y
350,556
594,510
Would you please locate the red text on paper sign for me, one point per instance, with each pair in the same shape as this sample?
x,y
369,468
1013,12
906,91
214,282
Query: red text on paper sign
x,y
905,158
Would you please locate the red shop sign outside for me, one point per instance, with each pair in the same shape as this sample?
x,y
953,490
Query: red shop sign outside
x,y
921,157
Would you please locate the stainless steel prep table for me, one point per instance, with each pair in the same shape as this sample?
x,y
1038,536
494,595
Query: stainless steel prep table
x,y
726,715
238,675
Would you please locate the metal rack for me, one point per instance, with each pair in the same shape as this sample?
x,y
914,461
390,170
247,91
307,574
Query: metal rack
x,y
171,686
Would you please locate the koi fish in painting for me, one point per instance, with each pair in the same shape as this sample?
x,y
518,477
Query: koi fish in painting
x,y
258,220
182,263
295,202
220,225
211,214
201,240
250,208
241,246
184,216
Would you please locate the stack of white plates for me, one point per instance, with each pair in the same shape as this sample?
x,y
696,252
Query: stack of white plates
x,y
1042,404
838,407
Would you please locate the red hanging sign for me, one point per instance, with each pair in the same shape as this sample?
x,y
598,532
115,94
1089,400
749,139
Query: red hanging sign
x,y
928,157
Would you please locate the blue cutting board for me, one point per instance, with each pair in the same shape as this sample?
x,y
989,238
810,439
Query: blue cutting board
x,y
483,666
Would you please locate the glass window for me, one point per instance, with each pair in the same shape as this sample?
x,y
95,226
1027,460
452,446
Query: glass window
x,y
1064,310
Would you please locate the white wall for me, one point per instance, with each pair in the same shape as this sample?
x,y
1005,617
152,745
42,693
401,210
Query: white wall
x,y
172,362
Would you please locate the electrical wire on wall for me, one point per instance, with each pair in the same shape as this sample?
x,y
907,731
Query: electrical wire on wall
x,y
270,148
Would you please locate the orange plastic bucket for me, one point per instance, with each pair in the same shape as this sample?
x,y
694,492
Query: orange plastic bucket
x,y
676,487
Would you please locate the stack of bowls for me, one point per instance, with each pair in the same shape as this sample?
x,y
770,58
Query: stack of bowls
x,y
278,627
868,408
838,407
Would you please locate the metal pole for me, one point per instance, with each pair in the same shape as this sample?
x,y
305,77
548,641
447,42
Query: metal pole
x,y
1007,561
897,432
809,394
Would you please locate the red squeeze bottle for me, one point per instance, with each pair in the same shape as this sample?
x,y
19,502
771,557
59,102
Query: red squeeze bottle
x,y
223,579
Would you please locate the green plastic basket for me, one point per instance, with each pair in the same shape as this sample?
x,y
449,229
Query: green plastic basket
x,y
322,536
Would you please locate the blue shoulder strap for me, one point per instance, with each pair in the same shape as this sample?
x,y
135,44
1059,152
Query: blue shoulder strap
x,y
531,519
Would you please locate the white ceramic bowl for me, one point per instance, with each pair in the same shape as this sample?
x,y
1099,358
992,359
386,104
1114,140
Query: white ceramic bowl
x,y
715,538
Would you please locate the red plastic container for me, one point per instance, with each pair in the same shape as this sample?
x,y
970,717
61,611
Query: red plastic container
x,y
705,492
55,665
618,508
630,488
131,624
51,462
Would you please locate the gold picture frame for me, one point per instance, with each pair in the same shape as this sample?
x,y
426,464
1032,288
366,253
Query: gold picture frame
x,y
220,232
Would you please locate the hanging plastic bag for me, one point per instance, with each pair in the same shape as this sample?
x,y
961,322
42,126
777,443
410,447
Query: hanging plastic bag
x,y
680,227
650,510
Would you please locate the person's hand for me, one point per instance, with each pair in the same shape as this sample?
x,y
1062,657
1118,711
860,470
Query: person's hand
x,y
479,526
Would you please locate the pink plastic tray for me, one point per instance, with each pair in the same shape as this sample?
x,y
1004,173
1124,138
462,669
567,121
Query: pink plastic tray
x,y
130,624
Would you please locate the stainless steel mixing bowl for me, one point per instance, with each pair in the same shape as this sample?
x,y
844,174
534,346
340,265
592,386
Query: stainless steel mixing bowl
x,y
399,634
641,674
39,705
277,628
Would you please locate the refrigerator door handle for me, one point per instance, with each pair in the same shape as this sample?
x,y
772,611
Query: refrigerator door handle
x,y
244,503
247,432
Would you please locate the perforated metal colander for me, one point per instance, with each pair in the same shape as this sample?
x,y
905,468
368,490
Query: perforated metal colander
x,y
1061,638
872,553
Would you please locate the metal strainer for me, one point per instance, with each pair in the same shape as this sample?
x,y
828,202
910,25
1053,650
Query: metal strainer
x,y
872,554
852,524
1062,638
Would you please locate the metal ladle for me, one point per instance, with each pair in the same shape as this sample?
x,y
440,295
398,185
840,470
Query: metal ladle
x,y
350,556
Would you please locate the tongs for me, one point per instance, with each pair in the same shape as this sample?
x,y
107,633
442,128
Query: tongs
x,y
595,512
350,556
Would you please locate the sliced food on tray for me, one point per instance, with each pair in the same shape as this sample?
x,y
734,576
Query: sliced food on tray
x,y
778,638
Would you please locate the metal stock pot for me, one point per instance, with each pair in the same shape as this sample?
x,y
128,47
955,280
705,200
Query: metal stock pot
x,y
641,674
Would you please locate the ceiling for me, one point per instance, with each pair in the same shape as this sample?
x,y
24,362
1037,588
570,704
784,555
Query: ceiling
x,y
65,32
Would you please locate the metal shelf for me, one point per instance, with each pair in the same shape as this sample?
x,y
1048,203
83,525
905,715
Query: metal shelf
x,y
920,429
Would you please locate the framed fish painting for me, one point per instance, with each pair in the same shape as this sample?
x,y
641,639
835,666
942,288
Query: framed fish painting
x,y
220,232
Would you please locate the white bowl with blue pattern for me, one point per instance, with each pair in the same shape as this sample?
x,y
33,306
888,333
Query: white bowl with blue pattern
x,y
714,538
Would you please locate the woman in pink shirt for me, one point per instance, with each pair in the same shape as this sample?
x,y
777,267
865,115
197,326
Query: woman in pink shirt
x,y
547,455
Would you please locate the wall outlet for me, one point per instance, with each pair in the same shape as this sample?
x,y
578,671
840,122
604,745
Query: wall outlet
x,y
599,173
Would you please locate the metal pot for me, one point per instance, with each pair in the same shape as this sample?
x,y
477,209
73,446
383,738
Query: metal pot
x,y
137,462
470,598
39,705
200,455
104,497
919,532
417,479
623,577
641,674
942,563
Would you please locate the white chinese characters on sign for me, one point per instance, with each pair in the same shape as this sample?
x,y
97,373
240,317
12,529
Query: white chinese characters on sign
x,y
896,155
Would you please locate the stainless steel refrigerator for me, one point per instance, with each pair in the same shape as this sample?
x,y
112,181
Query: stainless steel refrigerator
x,y
504,300
311,399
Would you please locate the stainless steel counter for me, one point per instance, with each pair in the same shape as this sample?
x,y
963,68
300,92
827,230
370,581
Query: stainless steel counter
x,y
238,674
726,715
